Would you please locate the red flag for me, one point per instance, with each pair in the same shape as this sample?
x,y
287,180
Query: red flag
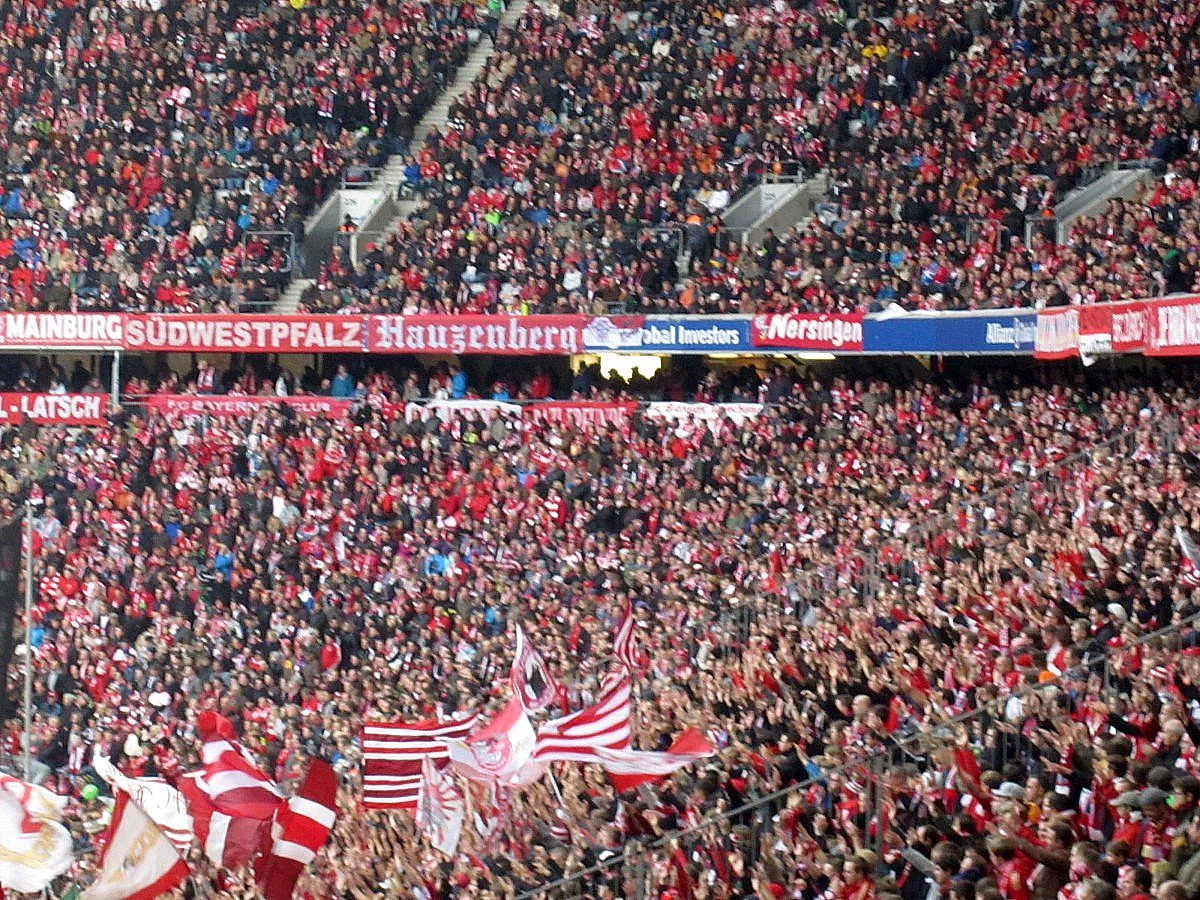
x,y
228,841
440,809
531,679
500,750
629,768
234,784
301,830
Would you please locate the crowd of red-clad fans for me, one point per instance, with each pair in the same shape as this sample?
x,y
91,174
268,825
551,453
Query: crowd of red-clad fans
x,y
601,138
926,599
161,155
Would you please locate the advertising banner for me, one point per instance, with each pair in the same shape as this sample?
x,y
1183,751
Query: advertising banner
x,y
450,409
694,334
994,331
245,334
54,409
703,412
1057,333
1173,327
834,332
613,333
579,414
69,331
503,335
1112,328
231,405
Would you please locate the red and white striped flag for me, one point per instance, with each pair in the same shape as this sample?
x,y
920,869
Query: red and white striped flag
x,y
235,785
531,679
603,725
301,830
625,643
228,841
440,809
138,861
393,753
629,768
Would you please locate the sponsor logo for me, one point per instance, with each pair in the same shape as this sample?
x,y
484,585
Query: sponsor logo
x,y
1021,333
804,330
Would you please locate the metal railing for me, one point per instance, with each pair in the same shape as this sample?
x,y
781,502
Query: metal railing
x,y
357,243
259,248
358,176
633,873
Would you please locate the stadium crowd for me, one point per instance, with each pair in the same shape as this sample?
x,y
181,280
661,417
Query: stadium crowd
x,y
834,579
565,185
161,156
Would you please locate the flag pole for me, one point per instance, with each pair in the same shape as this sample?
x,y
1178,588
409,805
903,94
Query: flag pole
x,y
554,787
28,761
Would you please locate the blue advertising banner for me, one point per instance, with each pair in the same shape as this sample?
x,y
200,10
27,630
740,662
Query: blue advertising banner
x,y
990,331
695,334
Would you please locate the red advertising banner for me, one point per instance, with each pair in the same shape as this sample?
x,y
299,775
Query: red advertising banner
x,y
245,334
232,405
1057,333
84,331
808,331
1112,328
505,335
1173,327
54,409
581,415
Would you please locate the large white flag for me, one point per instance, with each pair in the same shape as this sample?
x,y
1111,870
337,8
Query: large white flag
x,y
440,808
138,862
35,848
499,751
164,805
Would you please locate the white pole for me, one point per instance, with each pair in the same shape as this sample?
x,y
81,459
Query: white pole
x,y
28,639
116,378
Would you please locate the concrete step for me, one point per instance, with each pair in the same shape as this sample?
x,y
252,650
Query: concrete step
x,y
289,300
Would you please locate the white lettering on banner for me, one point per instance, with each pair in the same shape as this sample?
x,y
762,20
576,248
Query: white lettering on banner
x,y
174,404
834,332
91,329
54,409
1178,326
164,333
1129,327
396,333
676,335
1021,332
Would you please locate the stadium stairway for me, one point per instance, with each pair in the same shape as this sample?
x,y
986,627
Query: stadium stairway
x,y
436,117
382,220
289,300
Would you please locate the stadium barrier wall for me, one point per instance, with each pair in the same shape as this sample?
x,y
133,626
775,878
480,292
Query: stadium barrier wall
x,y
1166,326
